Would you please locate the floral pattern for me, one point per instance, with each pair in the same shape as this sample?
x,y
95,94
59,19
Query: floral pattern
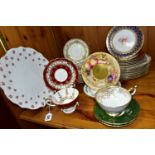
x,y
110,64
8,63
133,51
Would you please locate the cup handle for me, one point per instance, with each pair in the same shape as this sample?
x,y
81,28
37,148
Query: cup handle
x,y
133,90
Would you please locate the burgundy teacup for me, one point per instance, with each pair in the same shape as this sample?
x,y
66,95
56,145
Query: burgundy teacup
x,y
66,98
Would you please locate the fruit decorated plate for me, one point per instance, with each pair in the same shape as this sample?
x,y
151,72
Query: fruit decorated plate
x,y
99,70
76,50
124,42
60,73
21,77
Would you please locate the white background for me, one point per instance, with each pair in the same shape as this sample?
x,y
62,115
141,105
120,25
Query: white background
x,y
80,12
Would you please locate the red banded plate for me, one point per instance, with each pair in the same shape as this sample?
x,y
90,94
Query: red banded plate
x,y
60,73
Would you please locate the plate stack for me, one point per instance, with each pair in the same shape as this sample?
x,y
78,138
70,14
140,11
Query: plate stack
x,y
76,50
136,68
125,43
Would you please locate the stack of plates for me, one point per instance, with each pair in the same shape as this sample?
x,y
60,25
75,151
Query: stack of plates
x,y
125,43
135,69
76,50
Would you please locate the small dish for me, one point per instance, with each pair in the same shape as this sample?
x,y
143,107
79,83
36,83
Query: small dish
x,y
124,42
114,99
128,116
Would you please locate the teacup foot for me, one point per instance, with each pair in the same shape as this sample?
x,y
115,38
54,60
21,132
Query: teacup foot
x,y
71,109
116,114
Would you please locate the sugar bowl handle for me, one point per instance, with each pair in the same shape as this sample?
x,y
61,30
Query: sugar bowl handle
x,y
133,90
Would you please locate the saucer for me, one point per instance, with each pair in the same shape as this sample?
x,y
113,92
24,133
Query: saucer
x,y
88,91
130,114
60,73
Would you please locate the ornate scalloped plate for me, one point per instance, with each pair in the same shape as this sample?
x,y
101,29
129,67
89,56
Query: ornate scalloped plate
x,y
99,70
60,73
21,77
124,42
76,50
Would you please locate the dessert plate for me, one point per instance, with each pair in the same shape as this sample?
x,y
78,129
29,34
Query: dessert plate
x,y
21,77
124,42
127,117
60,73
100,69
76,50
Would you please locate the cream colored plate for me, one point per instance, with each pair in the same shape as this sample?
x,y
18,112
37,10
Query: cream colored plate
x,y
100,69
76,50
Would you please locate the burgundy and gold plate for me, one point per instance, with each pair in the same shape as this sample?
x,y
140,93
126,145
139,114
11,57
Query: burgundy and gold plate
x,y
60,73
99,70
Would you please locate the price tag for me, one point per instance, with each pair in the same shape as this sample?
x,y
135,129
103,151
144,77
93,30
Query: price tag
x,y
48,117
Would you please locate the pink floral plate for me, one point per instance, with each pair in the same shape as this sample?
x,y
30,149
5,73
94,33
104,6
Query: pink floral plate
x,y
21,77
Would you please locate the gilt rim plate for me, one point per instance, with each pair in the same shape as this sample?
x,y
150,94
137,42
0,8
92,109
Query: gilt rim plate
x,y
99,70
124,42
21,77
130,114
60,73
76,50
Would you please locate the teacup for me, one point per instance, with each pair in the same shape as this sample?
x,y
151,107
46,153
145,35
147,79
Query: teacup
x,y
114,99
91,92
66,98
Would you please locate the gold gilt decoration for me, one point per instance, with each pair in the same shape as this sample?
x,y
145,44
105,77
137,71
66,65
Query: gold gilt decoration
x,y
99,70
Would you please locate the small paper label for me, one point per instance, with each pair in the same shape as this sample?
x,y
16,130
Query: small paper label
x,y
48,117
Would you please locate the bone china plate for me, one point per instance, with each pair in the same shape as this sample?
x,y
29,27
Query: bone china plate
x,y
124,42
21,77
60,73
76,50
99,70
